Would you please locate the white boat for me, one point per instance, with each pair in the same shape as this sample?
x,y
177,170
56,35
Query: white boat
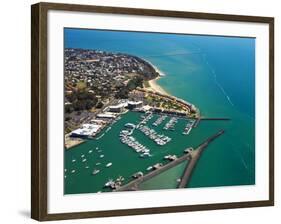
x,y
95,171
84,160
90,151
82,156
108,165
109,183
149,168
120,179
101,156
87,167
98,164
74,160
138,174
72,171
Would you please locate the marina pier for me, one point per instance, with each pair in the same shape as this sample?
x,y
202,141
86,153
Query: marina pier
x,y
196,123
215,118
192,155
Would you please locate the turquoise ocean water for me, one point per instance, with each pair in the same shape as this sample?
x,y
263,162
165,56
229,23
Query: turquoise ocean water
x,y
217,74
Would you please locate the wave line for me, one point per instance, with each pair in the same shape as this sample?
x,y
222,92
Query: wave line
x,y
217,83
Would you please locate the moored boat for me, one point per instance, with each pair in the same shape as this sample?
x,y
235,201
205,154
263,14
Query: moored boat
x,y
108,164
95,171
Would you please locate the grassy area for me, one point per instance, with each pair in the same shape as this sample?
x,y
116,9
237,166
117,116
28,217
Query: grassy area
x,y
166,104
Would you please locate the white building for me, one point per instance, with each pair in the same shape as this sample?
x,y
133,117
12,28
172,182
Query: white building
x,y
134,104
106,115
117,108
86,130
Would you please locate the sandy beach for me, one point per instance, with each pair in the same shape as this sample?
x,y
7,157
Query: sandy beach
x,y
153,86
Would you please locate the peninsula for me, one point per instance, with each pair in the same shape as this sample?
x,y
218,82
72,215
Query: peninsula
x,y
100,86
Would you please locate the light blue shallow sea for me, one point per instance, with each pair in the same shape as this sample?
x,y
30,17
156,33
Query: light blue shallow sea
x,y
217,74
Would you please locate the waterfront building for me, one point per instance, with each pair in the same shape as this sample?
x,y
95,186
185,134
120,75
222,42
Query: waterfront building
x,y
134,104
106,116
86,130
119,108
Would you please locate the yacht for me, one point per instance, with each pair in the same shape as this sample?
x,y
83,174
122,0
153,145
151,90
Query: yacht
x,y
138,175
95,171
108,165
120,179
109,183
149,168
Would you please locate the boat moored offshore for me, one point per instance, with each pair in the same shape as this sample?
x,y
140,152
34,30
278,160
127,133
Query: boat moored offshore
x,y
95,171
108,165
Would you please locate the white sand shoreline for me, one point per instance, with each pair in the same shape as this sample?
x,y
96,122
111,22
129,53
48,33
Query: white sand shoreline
x,y
153,85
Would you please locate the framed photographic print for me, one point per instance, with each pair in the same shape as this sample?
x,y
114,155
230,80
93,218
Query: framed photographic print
x,y
138,111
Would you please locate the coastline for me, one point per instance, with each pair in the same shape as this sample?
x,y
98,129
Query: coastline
x,y
155,87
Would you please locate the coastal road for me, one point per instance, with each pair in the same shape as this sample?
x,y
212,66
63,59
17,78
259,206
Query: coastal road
x,y
193,156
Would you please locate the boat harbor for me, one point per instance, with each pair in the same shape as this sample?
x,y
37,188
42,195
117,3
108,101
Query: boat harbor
x,y
138,144
192,156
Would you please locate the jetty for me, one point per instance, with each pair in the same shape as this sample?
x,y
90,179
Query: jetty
x,y
215,118
197,120
192,156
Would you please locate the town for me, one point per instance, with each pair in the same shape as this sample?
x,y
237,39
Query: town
x,y
101,86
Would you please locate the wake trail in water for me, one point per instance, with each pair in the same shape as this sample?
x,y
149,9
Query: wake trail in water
x,y
239,154
217,83
222,89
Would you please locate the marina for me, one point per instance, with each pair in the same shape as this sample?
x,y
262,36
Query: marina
x,y
188,127
159,120
170,125
102,154
159,139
